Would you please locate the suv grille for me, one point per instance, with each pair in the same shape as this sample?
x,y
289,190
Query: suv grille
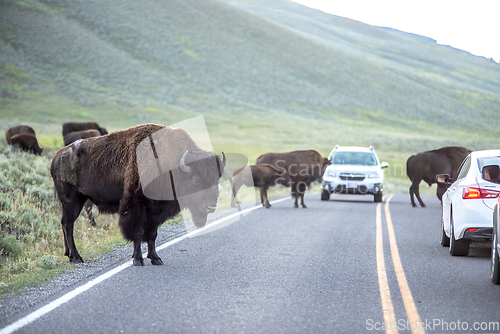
x,y
352,177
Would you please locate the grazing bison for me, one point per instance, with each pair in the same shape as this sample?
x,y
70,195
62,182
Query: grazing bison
x,y
74,136
75,126
26,142
304,167
147,174
17,130
262,176
426,165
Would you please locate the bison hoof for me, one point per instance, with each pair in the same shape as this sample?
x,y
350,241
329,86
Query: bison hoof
x,y
295,206
138,262
304,206
78,260
157,262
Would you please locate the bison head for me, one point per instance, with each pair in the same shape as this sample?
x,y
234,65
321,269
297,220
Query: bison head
x,y
199,173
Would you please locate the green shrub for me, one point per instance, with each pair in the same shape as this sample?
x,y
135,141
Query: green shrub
x,y
46,262
10,246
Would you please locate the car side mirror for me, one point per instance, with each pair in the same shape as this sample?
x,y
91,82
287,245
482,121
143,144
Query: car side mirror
x,y
384,164
444,179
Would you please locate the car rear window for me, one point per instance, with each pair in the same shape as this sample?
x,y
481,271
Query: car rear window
x,y
354,158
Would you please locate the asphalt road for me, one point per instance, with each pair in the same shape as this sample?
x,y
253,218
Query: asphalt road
x,y
286,270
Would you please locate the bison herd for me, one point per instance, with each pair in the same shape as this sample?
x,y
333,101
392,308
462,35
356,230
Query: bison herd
x,y
107,170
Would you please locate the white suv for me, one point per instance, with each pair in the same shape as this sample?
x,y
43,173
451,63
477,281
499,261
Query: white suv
x,y
354,170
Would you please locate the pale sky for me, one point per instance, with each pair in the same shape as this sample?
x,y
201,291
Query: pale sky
x,y
471,25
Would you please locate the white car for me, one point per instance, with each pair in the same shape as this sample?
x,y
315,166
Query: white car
x,y
468,203
354,170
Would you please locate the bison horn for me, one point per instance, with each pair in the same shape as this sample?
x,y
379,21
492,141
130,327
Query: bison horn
x,y
223,160
185,168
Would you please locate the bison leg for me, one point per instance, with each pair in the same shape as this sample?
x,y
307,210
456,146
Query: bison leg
x,y
88,209
302,189
137,255
69,215
150,238
263,197
441,189
235,186
414,190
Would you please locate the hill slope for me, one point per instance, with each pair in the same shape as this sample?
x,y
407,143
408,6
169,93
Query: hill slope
x,y
245,64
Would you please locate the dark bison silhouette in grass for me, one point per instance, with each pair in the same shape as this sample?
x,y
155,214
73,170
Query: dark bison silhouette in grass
x,y
109,171
262,176
304,167
80,126
26,142
15,130
426,165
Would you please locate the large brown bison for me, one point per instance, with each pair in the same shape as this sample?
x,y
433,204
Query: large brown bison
x,y
26,142
76,126
146,174
17,130
426,165
262,176
74,136
304,167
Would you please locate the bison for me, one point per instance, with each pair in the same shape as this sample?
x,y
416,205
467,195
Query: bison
x,y
147,174
304,167
17,130
26,142
75,126
426,165
262,176
74,136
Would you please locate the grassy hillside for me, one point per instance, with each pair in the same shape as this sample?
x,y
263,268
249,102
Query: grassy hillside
x,y
267,76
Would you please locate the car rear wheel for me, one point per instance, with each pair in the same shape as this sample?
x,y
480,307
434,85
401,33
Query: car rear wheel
x,y
377,198
495,261
325,195
458,247
445,240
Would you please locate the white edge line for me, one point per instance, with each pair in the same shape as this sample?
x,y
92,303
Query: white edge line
x,y
72,294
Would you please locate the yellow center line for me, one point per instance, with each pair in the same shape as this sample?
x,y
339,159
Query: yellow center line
x,y
385,294
411,309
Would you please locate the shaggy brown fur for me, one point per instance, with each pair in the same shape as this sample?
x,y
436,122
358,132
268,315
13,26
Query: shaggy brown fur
x,y
75,126
26,142
74,136
262,176
304,167
426,165
17,130
105,170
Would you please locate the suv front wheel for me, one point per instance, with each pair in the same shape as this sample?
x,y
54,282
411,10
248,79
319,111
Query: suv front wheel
x,y
325,195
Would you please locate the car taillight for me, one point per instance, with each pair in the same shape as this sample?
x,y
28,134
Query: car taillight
x,y
472,192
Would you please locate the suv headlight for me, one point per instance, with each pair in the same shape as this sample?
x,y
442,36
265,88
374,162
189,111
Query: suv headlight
x,y
374,175
331,174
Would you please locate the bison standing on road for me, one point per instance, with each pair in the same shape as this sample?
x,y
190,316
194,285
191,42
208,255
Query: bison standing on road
x,y
262,176
26,142
17,130
426,165
75,126
304,167
74,136
146,174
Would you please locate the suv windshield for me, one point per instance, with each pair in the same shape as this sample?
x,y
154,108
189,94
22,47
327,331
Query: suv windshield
x,y
354,158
